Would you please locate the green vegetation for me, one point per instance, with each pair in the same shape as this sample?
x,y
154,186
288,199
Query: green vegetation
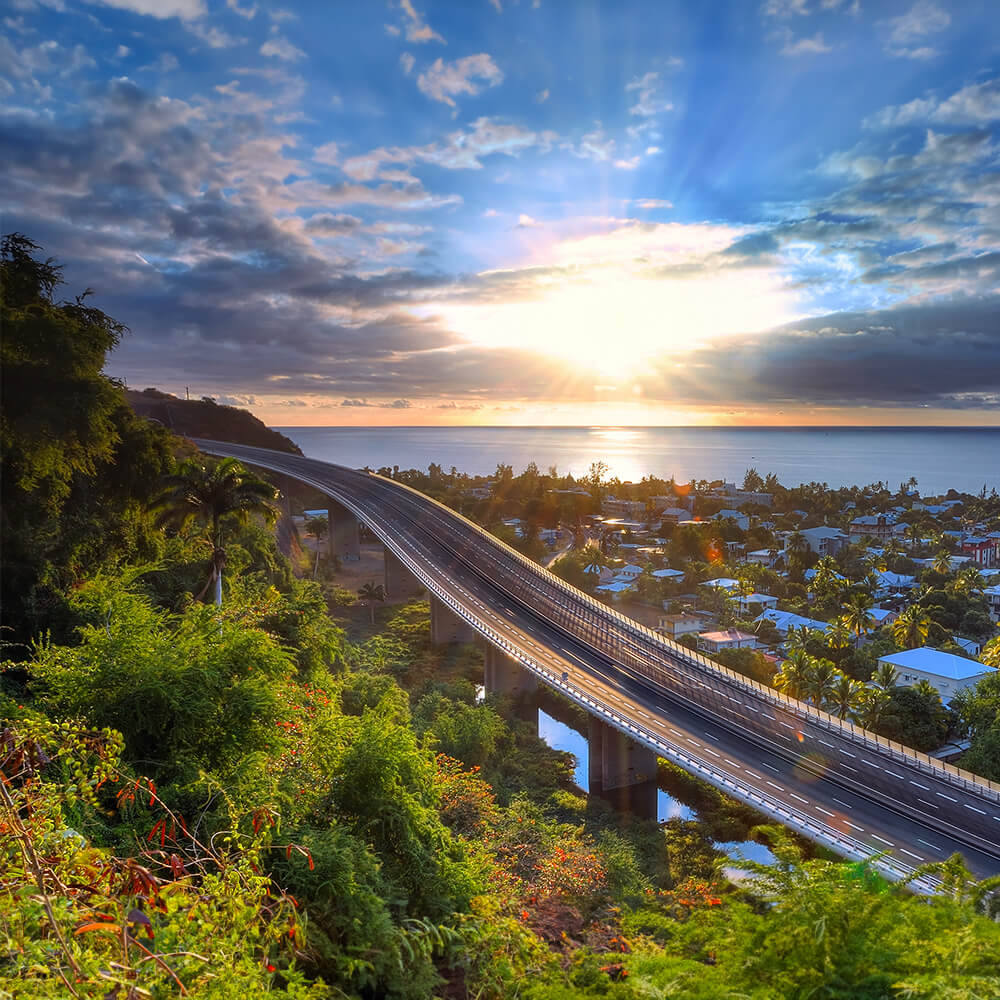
x,y
245,797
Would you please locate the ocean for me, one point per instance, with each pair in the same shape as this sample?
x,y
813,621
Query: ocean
x,y
941,458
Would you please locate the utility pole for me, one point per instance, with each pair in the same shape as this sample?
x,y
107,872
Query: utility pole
x,y
187,393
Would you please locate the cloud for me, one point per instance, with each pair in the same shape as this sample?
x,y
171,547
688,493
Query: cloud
x,y
248,12
497,6
280,48
237,400
908,30
648,101
786,8
326,224
397,404
595,145
406,62
417,30
651,203
542,96
805,46
976,104
329,153
188,10
527,222
355,402
405,196
630,164
213,37
443,81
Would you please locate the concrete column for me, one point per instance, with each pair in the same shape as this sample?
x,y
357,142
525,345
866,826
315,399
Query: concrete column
x,y
399,581
622,771
446,626
343,535
504,675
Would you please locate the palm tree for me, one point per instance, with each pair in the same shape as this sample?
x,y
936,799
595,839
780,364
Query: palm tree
x,y
838,635
969,581
856,615
793,674
370,593
990,654
885,677
910,628
844,695
318,528
927,690
942,562
215,493
871,707
820,681
594,561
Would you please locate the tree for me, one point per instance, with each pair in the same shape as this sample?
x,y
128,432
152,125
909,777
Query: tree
x,y
844,695
370,593
215,493
871,707
838,635
318,528
942,562
793,674
819,681
910,628
885,677
856,614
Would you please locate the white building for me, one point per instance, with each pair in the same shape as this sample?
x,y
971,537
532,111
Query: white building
x,y
784,620
741,520
824,541
668,574
764,601
725,583
730,638
947,672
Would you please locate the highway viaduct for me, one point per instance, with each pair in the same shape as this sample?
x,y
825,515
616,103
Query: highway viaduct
x,y
856,793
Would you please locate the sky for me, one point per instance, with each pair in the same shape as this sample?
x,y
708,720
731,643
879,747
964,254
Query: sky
x,y
535,212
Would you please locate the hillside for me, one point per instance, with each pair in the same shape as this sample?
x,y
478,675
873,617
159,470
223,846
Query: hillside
x,y
207,419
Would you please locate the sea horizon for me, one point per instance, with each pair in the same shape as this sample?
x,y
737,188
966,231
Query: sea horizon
x,y
940,457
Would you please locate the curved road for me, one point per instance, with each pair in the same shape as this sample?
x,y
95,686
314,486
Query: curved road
x,y
855,793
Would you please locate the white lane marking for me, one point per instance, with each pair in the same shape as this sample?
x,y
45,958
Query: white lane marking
x,y
911,854
732,762
830,745
926,803
712,752
764,763
826,812
751,708
841,801
893,773
854,826
875,836
799,797
847,752
871,763
787,725
933,847
974,809
926,788
759,777
676,732
773,785
948,797
849,768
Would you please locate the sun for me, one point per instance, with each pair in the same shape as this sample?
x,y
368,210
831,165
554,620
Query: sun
x,y
615,322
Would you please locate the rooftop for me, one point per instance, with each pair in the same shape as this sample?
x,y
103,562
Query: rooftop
x,y
935,661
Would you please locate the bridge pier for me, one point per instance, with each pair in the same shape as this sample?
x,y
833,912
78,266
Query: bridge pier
x,y
621,771
504,676
399,581
343,534
446,626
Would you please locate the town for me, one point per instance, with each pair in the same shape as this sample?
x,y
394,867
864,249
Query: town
x,y
877,604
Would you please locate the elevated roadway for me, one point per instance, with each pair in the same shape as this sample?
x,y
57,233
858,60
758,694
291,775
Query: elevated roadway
x,y
843,787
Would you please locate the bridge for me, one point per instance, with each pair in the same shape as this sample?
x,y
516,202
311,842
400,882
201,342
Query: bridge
x,y
858,794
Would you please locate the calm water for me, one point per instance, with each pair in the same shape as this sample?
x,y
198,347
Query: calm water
x,y
941,458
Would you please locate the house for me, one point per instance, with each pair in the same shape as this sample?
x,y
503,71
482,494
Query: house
x,y
888,582
824,541
623,508
730,491
747,602
725,583
992,595
741,520
674,515
810,574
764,557
872,526
983,550
784,620
668,574
628,572
883,616
675,626
730,638
614,588
969,646
948,673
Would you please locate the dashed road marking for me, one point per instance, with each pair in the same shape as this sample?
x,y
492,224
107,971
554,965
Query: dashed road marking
x,y
948,797
926,803
933,847
911,854
875,836
841,801
830,745
974,809
773,785
759,777
826,812
732,762
799,797
847,752
926,788
764,763
854,826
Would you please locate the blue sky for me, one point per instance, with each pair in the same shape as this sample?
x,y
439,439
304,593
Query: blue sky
x,y
535,212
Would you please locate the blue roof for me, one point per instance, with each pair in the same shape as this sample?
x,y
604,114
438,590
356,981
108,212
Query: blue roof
x,y
935,661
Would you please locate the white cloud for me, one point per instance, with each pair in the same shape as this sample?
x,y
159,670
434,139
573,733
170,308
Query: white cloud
x,y
805,46
327,153
406,62
648,101
281,48
497,6
630,164
653,150
542,96
417,30
187,10
490,213
785,8
650,203
215,38
594,146
922,19
443,81
527,222
248,12
122,51
976,104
